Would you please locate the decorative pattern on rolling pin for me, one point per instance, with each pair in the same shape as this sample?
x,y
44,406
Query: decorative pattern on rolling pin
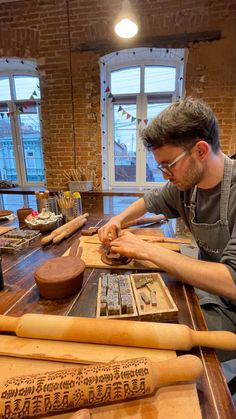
x,y
27,396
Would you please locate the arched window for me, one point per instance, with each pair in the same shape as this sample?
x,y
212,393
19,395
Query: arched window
x,y
21,157
136,86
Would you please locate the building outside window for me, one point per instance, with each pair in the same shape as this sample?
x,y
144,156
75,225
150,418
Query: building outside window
x,y
136,86
21,156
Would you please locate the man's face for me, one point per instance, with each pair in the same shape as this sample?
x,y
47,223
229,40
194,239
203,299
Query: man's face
x,y
185,173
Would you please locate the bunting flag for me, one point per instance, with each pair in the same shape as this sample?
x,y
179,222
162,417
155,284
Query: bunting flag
x,y
20,109
123,111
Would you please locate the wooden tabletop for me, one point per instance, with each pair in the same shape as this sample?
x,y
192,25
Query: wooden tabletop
x,y
20,295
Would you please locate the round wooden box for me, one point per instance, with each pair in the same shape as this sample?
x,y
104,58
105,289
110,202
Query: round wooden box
x,y
60,277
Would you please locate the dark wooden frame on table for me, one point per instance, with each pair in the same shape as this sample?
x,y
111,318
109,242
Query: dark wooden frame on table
x,y
20,296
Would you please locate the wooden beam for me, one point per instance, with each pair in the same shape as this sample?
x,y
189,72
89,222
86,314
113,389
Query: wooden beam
x,y
170,41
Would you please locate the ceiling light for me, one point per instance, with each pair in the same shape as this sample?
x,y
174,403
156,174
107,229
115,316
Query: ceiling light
x,y
126,25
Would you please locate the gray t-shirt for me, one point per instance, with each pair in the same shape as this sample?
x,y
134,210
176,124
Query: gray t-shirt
x,y
171,202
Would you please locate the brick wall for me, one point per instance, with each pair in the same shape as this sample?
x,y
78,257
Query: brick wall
x,y
50,31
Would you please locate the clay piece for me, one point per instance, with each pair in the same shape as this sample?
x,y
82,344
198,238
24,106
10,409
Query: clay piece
x,y
112,259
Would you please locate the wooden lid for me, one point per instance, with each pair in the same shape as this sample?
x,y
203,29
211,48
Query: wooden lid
x,y
60,277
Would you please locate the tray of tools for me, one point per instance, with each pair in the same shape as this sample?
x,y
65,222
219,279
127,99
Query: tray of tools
x,y
17,240
141,296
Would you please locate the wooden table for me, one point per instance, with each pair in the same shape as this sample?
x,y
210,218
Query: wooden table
x,y
20,296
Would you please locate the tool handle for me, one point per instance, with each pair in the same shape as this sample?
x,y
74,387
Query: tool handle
x,y
8,323
144,220
182,368
215,339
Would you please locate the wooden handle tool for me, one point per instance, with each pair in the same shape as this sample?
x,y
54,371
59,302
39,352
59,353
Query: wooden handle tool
x,y
32,395
65,230
144,220
115,332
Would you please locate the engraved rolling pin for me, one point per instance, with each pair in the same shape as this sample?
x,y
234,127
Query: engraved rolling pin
x,y
115,332
50,392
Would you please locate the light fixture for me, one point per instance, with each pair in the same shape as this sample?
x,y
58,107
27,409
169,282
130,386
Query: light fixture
x,y
126,25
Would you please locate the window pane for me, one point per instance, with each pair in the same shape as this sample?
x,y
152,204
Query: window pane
x,y
125,81
159,79
31,140
13,202
7,159
26,87
153,174
5,93
125,144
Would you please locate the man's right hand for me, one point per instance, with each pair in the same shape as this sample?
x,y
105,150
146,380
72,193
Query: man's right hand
x,y
110,231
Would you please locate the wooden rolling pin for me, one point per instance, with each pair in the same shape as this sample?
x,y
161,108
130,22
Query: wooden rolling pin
x,y
65,230
115,332
38,394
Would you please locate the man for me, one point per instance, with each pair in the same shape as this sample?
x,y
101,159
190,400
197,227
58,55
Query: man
x,y
201,189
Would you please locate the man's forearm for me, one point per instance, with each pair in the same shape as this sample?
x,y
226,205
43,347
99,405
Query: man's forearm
x,y
209,276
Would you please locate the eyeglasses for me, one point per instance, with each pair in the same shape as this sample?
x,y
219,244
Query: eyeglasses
x,y
165,168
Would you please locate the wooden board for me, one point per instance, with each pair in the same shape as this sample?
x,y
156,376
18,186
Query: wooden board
x,y
4,230
172,402
93,250
79,353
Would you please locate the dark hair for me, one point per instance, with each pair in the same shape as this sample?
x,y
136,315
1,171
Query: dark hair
x,y
183,123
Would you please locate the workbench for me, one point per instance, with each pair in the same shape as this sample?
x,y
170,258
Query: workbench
x,y
21,295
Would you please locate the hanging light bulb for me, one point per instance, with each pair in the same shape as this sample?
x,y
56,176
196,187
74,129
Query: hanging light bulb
x,y
126,26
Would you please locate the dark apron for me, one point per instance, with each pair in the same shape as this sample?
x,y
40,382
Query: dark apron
x,y
219,313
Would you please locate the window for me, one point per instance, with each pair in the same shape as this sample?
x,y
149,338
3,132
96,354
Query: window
x,y
21,156
139,84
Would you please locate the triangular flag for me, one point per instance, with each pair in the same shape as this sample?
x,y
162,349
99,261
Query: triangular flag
x,y
120,109
139,120
124,112
112,99
2,115
107,90
132,118
110,95
145,121
34,93
31,97
21,109
128,116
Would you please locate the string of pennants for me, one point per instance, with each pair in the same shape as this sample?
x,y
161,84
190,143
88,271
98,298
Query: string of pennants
x,y
20,109
124,113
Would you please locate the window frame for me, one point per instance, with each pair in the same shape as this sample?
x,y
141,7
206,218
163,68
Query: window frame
x,y
18,146
141,103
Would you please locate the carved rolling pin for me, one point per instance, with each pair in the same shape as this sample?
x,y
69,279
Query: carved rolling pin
x,y
65,230
32,395
115,332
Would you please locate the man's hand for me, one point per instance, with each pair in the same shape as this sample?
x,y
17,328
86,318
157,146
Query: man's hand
x,y
109,231
81,414
127,244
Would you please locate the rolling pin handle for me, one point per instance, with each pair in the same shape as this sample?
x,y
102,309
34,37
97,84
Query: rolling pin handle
x,y
8,323
182,368
219,339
